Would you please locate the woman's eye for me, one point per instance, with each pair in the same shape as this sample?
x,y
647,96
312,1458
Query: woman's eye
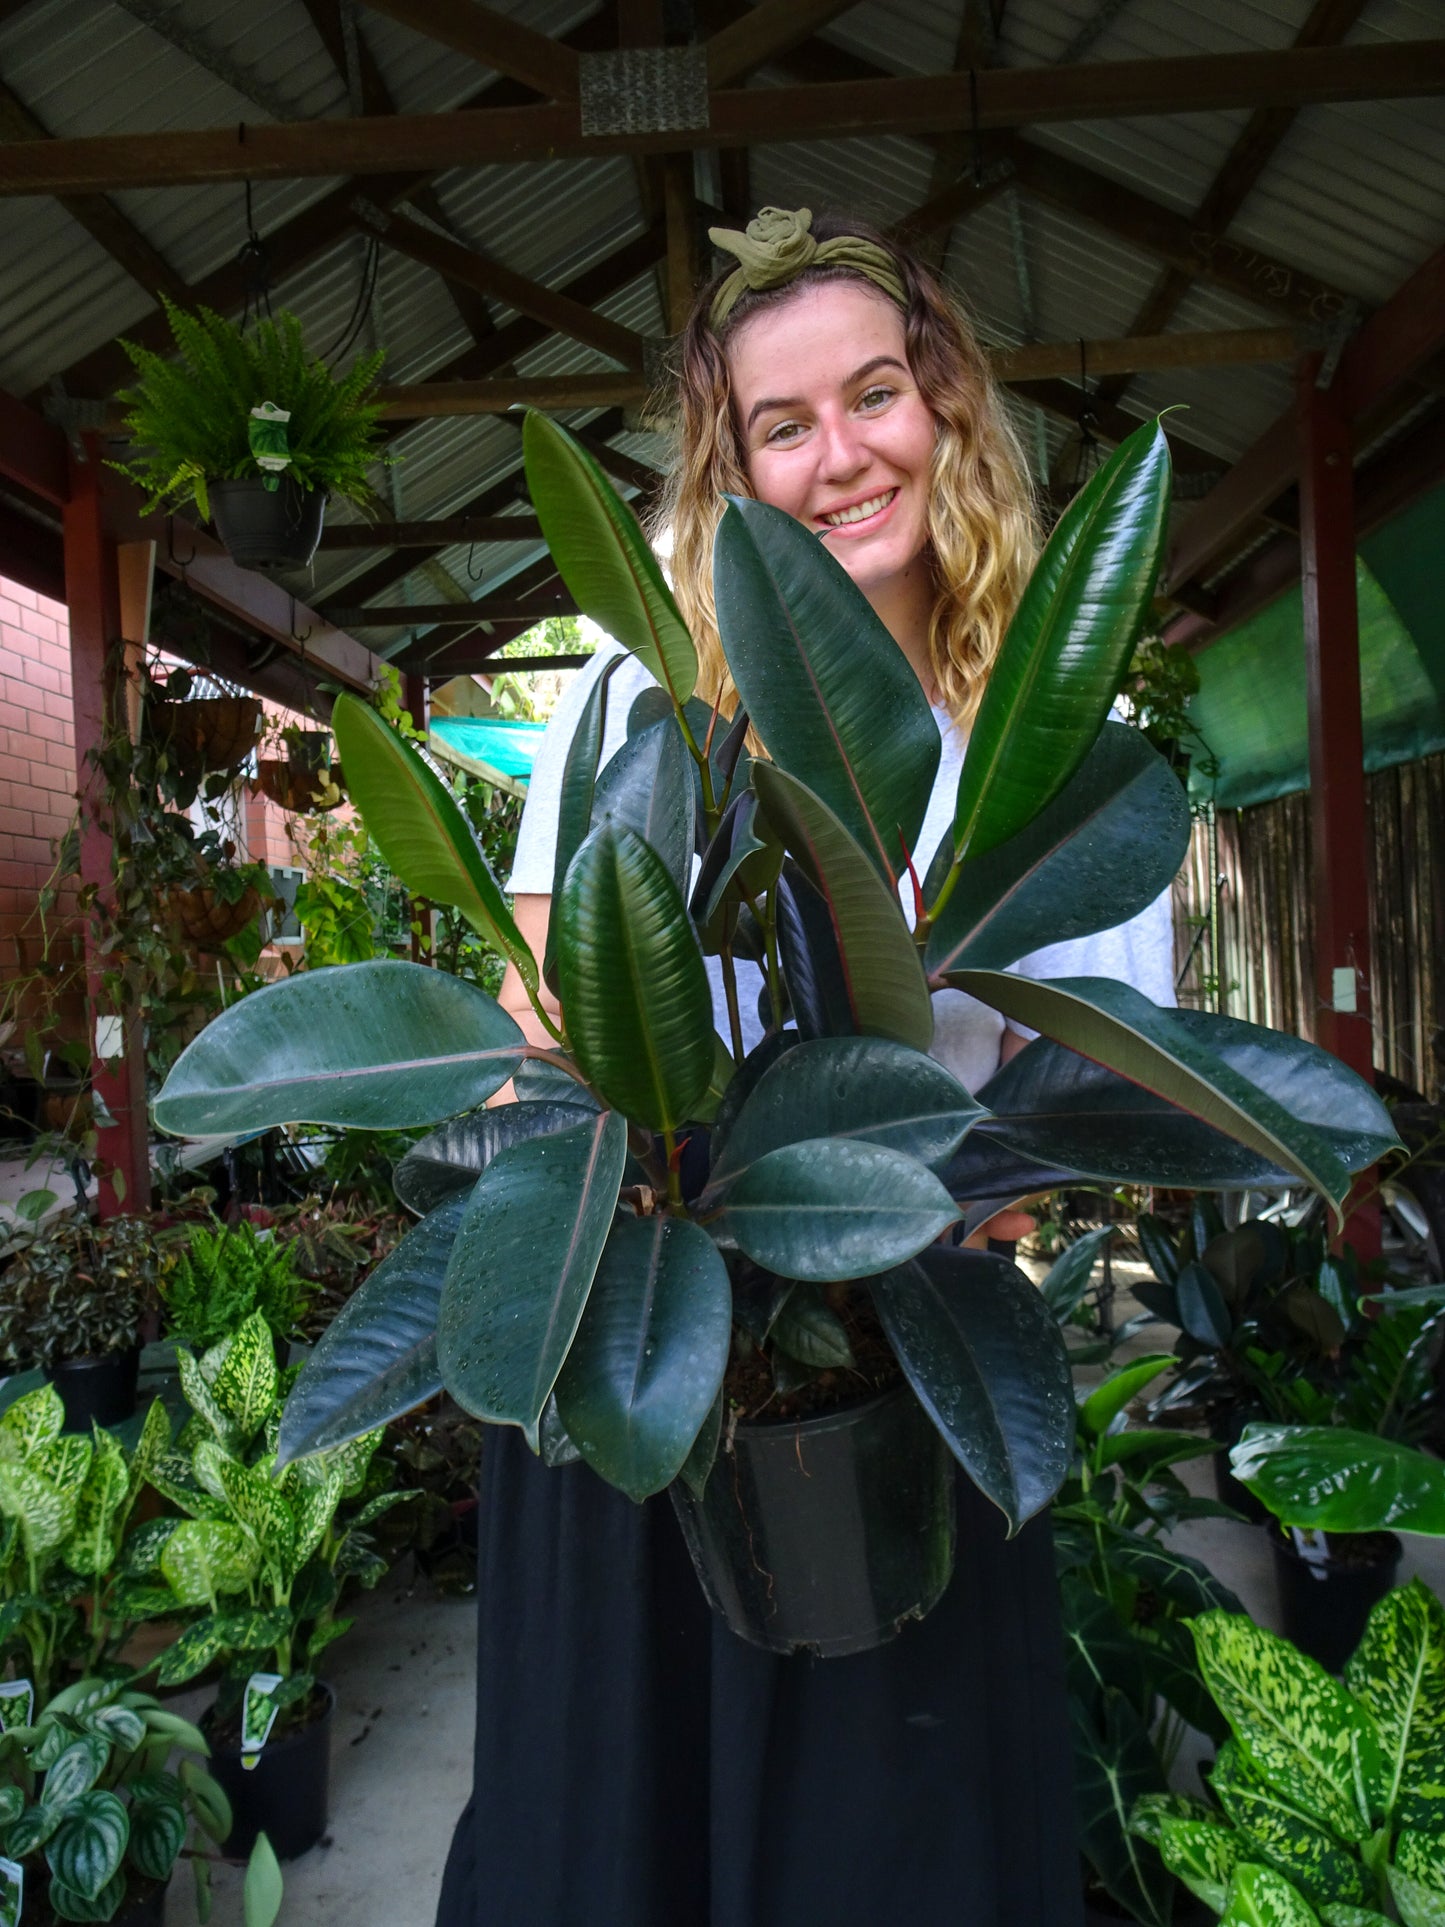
x,y
784,431
875,397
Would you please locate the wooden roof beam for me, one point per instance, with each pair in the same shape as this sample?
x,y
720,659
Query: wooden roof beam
x,y
924,104
442,533
492,39
763,33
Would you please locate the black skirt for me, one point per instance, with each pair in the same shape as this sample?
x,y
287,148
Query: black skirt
x,y
637,1765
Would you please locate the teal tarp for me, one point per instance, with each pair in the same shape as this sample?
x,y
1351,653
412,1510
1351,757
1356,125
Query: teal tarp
x,y
1250,713
510,748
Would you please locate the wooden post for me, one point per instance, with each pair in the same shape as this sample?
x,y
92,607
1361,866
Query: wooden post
x,y
415,696
92,591
682,262
1338,825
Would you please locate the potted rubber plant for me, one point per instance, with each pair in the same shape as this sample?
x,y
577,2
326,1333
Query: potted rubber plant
x,y
256,1565
72,1297
1325,1800
252,430
604,1263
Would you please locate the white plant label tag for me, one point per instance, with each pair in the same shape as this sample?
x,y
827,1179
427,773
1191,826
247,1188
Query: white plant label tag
x,y
17,1703
258,1715
12,1892
266,434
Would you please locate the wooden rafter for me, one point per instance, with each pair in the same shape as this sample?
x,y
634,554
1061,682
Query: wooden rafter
x,y
763,33
926,104
493,39
434,615
442,533
102,220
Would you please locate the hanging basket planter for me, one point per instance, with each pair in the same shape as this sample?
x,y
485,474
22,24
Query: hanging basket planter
x,y
267,528
209,921
301,791
211,733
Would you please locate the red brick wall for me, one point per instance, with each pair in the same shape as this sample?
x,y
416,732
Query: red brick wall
x,y
37,771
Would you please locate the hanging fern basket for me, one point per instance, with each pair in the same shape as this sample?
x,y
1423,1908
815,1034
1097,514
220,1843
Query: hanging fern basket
x,y
208,920
268,528
208,733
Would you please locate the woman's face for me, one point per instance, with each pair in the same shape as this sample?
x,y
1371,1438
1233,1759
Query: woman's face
x,y
835,429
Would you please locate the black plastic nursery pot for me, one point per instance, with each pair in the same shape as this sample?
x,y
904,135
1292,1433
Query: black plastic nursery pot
x,y
1324,1603
827,1534
267,528
287,1794
1227,1428
102,1388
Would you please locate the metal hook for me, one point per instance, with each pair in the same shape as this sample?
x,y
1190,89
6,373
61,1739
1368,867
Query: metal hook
x,y
300,640
171,555
479,573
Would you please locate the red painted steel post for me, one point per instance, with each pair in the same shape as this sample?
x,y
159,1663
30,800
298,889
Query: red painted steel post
x,y
92,592
1339,827
415,696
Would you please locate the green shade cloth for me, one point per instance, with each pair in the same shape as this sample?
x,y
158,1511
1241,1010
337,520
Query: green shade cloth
x,y
1250,713
509,748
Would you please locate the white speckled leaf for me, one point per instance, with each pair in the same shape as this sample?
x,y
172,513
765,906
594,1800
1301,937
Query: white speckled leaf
x,y
30,1421
245,1386
1398,1673
92,1545
1419,1905
1259,1897
204,1558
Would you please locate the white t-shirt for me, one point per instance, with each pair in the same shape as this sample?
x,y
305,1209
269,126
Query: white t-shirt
x,y
966,1033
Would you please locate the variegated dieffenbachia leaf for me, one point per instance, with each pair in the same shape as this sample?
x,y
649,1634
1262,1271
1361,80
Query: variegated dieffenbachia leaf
x,y
351,1459
31,1421
1353,1917
249,1631
1420,1905
1202,1854
313,1507
245,1387
206,1558
94,1541
1274,1831
173,1476
260,1508
1260,1897
204,1403
1422,1856
1397,1672
152,1445
1151,1810
43,1492
1299,1729
196,1649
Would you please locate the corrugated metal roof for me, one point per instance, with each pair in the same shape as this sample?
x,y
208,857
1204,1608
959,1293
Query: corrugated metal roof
x,y
1353,196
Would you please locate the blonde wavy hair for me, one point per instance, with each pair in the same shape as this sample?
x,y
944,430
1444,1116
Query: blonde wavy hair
x,y
981,511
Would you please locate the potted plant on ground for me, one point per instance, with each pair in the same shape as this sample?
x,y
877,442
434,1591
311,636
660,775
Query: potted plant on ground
x,y
223,1273
1328,1795
72,1298
257,1564
657,1205
252,431
94,1819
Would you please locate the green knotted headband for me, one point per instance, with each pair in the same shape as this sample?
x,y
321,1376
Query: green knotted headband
x,y
776,247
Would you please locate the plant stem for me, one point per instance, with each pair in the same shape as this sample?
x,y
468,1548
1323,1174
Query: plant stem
x,y
710,807
730,992
675,1202
534,998
767,921
540,1055
935,910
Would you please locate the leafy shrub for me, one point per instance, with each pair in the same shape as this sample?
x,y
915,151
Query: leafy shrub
x,y
74,1289
226,1274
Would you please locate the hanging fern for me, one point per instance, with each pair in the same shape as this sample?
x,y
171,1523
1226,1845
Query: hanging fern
x,y
188,417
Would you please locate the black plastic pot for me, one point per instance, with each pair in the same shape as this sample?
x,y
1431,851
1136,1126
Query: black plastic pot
x,y
100,1388
148,1911
286,1795
829,1534
1324,1604
1227,1427
267,528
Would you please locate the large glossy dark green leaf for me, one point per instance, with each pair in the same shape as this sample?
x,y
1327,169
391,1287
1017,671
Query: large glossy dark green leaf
x,y
579,785
647,787
829,691
378,1356
884,979
1067,646
603,556
737,860
418,825
985,1356
1059,1109
865,1088
1114,1765
522,1266
634,988
1112,1023
646,1365
1095,856
378,1045
1339,1480
829,1208
819,992
453,1158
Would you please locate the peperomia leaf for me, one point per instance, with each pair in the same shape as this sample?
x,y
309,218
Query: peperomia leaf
x,y
647,1362
603,556
418,825
522,1266
829,691
86,1849
1067,646
378,1045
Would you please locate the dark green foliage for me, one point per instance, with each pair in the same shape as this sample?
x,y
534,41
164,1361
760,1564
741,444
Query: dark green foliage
x,y
224,1275
74,1289
189,417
